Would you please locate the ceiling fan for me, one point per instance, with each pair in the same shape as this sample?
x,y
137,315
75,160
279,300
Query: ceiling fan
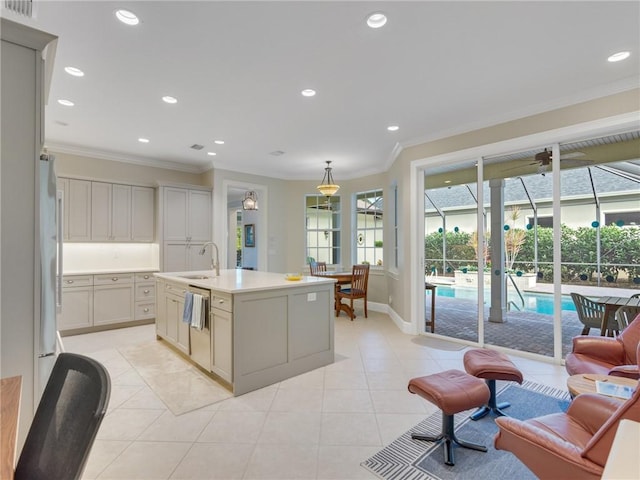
x,y
572,159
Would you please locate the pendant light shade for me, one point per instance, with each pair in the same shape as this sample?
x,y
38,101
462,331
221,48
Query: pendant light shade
x,y
250,201
328,187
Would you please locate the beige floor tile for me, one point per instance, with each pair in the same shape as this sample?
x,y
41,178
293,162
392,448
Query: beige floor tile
x,y
291,428
103,452
345,380
349,429
233,427
213,461
392,425
121,393
146,460
397,401
144,398
129,377
283,462
343,462
126,424
344,401
312,379
182,428
256,401
307,400
388,380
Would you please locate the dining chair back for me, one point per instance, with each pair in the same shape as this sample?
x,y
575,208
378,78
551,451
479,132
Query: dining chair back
x,y
358,288
66,422
589,312
316,267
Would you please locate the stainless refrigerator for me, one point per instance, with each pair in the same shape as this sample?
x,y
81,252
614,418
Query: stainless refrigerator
x,y
50,212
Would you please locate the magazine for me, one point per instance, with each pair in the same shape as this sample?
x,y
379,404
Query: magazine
x,y
614,390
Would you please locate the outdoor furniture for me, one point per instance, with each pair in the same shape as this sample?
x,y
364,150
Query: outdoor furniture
x,y
490,366
432,320
590,313
624,316
611,304
574,444
605,355
316,267
358,289
452,391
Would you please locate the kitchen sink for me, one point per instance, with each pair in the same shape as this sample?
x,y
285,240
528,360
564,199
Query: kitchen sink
x,y
196,277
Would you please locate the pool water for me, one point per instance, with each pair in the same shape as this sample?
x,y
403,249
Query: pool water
x,y
533,302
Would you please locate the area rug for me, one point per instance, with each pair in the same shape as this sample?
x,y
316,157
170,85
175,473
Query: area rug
x,y
179,384
409,459
437,343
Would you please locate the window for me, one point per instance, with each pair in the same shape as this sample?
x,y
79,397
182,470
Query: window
x,y
622,218
368,212
323,225
543,221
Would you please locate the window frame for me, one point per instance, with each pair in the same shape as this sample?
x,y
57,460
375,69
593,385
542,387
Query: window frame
x,y
362,249
333,250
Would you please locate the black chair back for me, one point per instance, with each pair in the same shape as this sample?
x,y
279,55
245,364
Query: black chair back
x,y
66,421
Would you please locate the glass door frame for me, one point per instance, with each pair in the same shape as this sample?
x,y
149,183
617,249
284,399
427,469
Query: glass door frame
x,y
602,127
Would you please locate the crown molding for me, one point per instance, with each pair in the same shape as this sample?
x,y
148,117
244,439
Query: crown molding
x,y
124,158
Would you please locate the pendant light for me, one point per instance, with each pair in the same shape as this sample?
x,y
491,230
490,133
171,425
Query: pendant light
x,y
328,187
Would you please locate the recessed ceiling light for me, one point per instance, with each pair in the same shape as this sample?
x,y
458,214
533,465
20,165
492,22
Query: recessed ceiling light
x,y
393,128
127,17
376,20
168,99
143,140
219,142
308,92
76,72
616,57
212,154
66,103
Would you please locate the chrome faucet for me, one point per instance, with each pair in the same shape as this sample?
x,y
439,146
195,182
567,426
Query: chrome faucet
x,y
215,265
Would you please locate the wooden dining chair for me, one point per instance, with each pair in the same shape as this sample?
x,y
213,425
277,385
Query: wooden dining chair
x,y
316,267
358,289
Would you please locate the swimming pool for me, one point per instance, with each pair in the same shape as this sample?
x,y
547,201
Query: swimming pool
x,y
533,302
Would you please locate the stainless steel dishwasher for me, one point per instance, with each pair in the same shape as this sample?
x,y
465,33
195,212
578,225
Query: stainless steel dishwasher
x,y
200,340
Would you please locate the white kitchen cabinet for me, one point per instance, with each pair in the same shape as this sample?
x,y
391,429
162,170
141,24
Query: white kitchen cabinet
x,y
63,186
145,296
186,226
113,299
222,336
110,212
177,332
77,302
142,214
77,210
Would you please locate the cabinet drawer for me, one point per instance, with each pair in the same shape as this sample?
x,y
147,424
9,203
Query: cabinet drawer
x,y
77,281
221,301
145,291
175,289
145,310
144,277
113,279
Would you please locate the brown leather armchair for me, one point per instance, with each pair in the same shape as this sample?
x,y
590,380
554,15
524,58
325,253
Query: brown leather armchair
x,y
605,355
568,445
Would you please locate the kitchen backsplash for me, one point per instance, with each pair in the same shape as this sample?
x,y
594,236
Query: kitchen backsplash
x,y
88,257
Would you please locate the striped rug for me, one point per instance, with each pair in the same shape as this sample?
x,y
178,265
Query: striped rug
x,y
408,459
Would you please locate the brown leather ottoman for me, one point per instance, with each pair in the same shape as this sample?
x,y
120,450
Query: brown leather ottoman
x,y
491,366
452,391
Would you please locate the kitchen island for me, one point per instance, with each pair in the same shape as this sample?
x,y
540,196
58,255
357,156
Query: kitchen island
x,y
260,328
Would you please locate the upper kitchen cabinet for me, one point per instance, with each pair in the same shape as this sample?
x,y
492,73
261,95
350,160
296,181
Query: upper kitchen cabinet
x,y
187,214
107,212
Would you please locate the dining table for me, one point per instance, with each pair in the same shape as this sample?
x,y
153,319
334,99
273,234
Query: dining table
x,y
342,278
611,304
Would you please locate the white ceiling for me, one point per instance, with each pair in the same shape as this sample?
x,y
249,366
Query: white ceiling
x,y
237,69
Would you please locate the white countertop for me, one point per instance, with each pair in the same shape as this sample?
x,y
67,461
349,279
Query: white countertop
x,y
240,281
109,271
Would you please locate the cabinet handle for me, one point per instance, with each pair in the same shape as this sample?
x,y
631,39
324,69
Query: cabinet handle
x,y
145,291
220,302
114,279
69,281
146,277
146,310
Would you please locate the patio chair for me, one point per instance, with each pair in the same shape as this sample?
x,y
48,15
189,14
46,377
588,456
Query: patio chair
x,y
590,313
625,315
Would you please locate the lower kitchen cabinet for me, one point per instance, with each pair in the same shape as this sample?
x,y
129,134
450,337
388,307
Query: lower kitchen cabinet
x,y
96,302
222,347
172,328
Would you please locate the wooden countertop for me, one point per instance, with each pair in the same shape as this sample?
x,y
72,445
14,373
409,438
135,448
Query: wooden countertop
x,y
10,389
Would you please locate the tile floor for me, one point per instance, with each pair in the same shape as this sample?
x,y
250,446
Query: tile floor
x,y
319,425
